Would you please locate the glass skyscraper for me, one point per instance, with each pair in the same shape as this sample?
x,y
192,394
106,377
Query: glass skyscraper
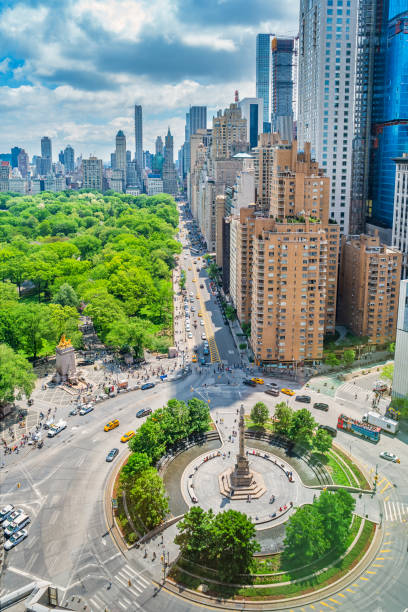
x,y
282,87
390,111
263,73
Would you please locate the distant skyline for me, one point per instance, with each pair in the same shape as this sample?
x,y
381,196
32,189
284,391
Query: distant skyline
x,y
74,69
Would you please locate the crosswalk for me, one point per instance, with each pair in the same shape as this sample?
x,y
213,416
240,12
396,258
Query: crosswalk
x,y
126,578
352,389
395,511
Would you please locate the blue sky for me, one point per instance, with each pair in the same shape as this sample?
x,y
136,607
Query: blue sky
x,y
72,69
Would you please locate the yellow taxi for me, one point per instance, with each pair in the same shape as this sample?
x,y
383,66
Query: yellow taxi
x,y
200,314
194,359
288,391
127,436
259,381
111,425
189,268
194,280
197,297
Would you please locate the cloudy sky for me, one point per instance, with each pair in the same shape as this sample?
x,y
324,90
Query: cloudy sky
x,y
72,69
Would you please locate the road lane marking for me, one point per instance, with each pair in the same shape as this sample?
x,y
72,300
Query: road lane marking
x,y
387,498
380,559
335,601
94,604
386,487
369,572
122,605
350,591
385,550
327,605
363,578
378,564
381,481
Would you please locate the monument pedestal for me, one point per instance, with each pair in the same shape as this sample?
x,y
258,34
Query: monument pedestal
x,y
65,361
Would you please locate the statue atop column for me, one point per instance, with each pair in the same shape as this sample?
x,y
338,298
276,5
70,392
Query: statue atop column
x,y
241,476
65,360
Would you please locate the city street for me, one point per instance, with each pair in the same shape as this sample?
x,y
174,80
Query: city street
x,y
61,486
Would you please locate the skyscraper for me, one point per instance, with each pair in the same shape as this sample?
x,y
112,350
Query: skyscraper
x,y
327,46
390,109
263,73
69,158
169,171
229,133
252,111
400,220
92,171
197,119
14,156
139,139
46,154
282,87
159,145
23,162
120,154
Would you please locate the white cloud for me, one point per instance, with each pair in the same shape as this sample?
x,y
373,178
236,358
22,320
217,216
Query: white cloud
x,y
5,65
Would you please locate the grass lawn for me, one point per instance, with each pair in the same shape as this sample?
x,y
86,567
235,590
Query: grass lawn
x,y
338,471
251,426
362,480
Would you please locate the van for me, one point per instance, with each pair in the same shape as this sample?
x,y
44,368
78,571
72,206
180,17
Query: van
x,y
20,522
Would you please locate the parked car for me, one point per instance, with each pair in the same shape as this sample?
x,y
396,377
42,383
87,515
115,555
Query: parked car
x,y
203,336
143,412
12,517
331,430
273,385
249,382
287,391
20,522
321,406
146,386
305,399
112,454
5,512
15,539
389,457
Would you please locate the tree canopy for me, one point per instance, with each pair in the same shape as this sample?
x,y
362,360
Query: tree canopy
x,y
16,374
259,413
110,256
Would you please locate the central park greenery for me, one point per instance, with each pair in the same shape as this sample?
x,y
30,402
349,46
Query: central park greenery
x,y
107,256
159,434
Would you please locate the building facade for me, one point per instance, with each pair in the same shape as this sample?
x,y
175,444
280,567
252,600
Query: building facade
x,y
263,73
252,111
120,156
139,139
69,159
23,163
400,381
46,154
282,62
369,281
400,217
229,133
327,48
92,173
169,173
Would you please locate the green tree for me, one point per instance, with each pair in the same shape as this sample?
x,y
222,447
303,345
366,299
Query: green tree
x,y
348,357
305,539
148,498
336,511
38,333
331,360
259,413
400,405
128,335
391,348
388,372
283,418
195,533
16,375
322,441
199,415
302,427
230,313
212,271
149,439
137,463
66,296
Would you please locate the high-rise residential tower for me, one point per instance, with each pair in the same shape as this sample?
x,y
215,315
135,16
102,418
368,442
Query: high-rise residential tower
x,y
263,73
327,47
139,139
69,159
400,220
14,156
92,173
23,162
229,133
252,111
46,154
169,170
159,146
282,87
196,119
120,155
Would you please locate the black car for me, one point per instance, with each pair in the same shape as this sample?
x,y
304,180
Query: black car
x,y
201,286
305,399
86,362
147,386
321,406
331,430
249,382
112,454
143,412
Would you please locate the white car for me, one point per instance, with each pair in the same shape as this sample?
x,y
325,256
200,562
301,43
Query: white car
x,y
190,335
5,512
191,294
389,457
201,322
193,309
203,337
12,517
15,539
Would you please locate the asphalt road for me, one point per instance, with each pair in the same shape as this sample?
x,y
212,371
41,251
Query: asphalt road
x,y
61,488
